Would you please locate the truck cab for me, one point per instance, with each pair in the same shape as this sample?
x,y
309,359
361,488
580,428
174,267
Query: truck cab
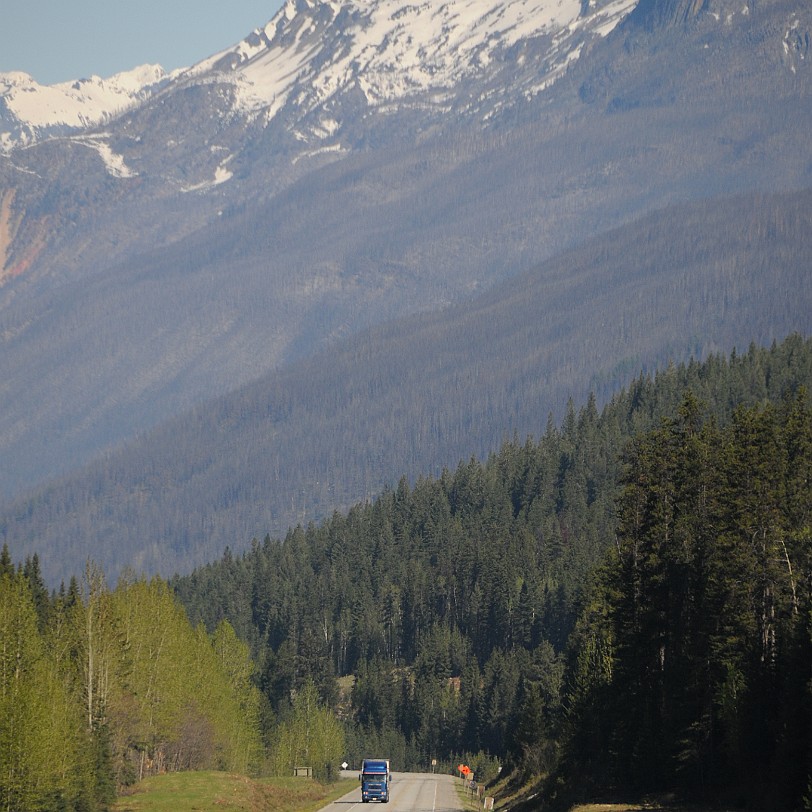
x,y
375,779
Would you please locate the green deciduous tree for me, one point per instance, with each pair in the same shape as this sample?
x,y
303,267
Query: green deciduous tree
x,y
187,702
312,737
44,754
235,664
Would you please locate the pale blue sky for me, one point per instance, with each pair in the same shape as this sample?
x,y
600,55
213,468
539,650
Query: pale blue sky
x,y
59,40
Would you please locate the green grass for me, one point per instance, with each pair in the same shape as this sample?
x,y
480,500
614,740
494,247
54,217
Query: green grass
x,y
225,792
467,798
652,807
509,793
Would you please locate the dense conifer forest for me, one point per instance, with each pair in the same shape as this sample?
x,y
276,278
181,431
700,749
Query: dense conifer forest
x,y
473,612
621,606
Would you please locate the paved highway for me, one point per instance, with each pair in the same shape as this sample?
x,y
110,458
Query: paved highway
x,y
411,792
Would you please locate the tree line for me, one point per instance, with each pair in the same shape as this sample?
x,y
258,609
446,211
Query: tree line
x,y
100,688
450,615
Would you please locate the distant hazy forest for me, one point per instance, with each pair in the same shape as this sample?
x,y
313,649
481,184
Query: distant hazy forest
x,y
414,396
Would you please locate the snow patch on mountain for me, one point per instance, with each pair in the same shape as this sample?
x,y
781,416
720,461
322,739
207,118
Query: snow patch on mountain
x,y
113,162
332,148
221,174
796,44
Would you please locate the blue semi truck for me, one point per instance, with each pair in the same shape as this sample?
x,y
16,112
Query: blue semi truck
x,y
375,779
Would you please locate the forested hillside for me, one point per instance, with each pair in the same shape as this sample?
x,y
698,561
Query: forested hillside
x,y
620,606
452,602
418,395
147,295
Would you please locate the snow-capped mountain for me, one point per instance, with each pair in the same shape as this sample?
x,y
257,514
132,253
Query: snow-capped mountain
x,y
30,112
314,51
354,161
322,80
394,52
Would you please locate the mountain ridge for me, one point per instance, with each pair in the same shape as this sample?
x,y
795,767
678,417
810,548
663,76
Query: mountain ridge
x,y
31,112
310,51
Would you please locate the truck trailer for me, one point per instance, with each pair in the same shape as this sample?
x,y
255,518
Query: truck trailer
x,y
375,780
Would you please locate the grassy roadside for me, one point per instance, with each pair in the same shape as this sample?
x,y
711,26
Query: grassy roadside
x,y
468,800
653,807
509,795
226,792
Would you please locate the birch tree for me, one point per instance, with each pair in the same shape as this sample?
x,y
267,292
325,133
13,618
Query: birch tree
x,y
41,742
311,738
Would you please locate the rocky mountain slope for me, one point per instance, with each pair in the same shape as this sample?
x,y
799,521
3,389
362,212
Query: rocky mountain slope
x,y
315,53
218,183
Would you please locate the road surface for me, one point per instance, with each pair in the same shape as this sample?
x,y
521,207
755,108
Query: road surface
x,y
410,792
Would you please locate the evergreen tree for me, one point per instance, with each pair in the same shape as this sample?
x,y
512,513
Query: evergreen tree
x,y
703,610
